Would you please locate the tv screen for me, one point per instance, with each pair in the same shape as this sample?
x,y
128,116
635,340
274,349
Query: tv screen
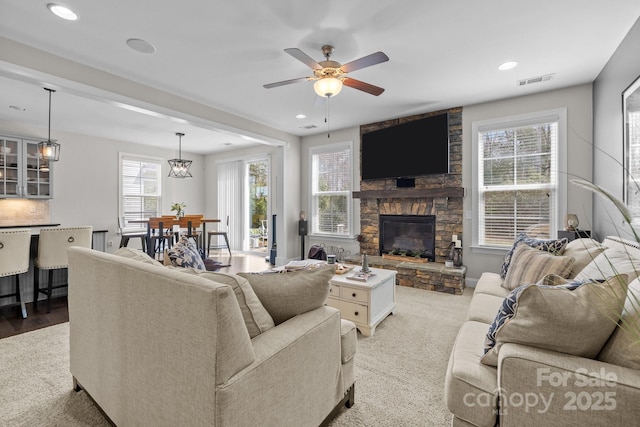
x,y
420,147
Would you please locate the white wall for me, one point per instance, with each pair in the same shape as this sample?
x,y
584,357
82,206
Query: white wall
x,y
85,180
577,101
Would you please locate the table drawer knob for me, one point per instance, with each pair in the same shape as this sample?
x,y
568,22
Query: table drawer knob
x,y
356,313
353,294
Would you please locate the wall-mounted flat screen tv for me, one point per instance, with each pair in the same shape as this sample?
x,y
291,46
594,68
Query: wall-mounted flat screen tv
x,y
419,147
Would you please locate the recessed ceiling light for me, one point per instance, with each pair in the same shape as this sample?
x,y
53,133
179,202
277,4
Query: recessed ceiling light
x,y
140,45
507,65
62,12
301,116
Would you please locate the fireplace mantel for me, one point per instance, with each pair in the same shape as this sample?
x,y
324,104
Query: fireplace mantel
x,y
410,193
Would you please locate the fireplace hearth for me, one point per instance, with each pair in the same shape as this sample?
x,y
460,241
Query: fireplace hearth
x,y
410,235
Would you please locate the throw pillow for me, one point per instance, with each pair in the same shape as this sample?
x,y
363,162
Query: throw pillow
x,y
136,255
554,246
609,263
583,252
185,254
288,294
256,318
528,265
575,318
623,347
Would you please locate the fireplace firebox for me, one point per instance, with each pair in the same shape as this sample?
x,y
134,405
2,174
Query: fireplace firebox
x,y
411,235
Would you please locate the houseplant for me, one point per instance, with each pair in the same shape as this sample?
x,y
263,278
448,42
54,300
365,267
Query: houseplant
x,y
178,208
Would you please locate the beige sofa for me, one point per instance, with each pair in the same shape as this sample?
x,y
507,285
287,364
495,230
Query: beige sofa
x,y
543,377
153,345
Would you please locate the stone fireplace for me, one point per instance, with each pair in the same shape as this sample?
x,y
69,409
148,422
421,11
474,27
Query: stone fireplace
x,y
438,196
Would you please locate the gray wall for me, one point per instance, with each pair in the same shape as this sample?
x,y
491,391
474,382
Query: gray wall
x,y
608,156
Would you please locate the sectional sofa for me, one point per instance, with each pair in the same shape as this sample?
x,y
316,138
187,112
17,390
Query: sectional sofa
x,y
561,351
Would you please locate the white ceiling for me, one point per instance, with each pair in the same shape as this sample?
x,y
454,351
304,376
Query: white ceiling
x,y
220,54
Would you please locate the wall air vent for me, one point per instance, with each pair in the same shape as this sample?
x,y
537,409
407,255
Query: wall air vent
x,y
538,79
308,127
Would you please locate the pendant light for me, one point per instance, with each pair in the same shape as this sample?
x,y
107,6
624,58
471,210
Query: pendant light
x,y
49,150
180,167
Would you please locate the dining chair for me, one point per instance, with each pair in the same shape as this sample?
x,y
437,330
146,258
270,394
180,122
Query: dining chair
x,y
189,225
126,235
14,261
217,234
52,255
160,234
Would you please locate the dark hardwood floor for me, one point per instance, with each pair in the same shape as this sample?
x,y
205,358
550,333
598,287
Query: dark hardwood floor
x,y
12,323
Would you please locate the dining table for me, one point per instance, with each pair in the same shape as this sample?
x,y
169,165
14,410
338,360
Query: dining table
x,y
169,222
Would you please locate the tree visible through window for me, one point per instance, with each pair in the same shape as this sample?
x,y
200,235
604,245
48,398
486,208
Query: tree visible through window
x,y
331,190
139,188
518,181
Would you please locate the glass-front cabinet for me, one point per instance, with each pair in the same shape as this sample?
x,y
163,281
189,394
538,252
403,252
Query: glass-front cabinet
x,y
22,173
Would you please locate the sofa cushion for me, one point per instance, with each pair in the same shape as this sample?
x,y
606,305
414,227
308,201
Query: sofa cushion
x,y
610,262
622,348
137,255
529,265
554,246
483,307
490,283
288,294
185,254
256,317
467,382
583,251
575,318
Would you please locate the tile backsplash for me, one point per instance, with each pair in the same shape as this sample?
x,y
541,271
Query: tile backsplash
x,y
24,212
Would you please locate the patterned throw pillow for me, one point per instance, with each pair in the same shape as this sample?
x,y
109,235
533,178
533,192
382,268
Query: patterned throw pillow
x,y
530,265
554,246
575,318
185,254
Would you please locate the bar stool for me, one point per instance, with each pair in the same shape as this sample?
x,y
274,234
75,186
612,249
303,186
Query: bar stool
x,y
52,255
210,234
14,261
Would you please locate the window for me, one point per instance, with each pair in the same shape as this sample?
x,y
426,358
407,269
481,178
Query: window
x,y
517,172
331,190
631,109
139,187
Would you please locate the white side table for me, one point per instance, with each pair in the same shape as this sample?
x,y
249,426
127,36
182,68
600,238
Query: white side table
x,y
364,303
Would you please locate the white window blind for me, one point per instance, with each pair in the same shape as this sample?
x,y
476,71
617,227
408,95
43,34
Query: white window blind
x,y
140,188
518,181
331,190
633,159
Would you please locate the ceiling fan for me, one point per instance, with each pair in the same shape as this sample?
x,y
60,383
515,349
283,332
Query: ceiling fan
x,y
330,75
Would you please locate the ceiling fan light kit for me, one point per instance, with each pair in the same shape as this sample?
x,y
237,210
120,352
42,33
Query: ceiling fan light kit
x,y
49,150
179,168
330,75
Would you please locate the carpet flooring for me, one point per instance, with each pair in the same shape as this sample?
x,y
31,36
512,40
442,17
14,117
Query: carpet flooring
x,y
399,370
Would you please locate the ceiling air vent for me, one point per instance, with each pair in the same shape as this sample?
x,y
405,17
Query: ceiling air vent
x,y
308,127
538,79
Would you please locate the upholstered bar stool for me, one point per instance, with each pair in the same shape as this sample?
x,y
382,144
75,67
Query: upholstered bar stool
x,y
126,235
14,261
52,255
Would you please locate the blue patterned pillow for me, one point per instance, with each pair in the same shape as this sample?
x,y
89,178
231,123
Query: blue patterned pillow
x,y
185,254
553,246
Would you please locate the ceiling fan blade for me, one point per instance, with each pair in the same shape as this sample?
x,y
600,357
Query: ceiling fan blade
x,y
286,82
365,87
304,58
365,61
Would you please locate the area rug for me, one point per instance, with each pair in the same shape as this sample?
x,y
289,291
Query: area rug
x,y
399,370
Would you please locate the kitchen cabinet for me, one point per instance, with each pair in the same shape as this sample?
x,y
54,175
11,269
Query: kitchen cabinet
x,y
22,173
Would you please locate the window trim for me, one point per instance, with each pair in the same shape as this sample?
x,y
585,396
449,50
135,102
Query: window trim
x,y
142,158
559,115
348,145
